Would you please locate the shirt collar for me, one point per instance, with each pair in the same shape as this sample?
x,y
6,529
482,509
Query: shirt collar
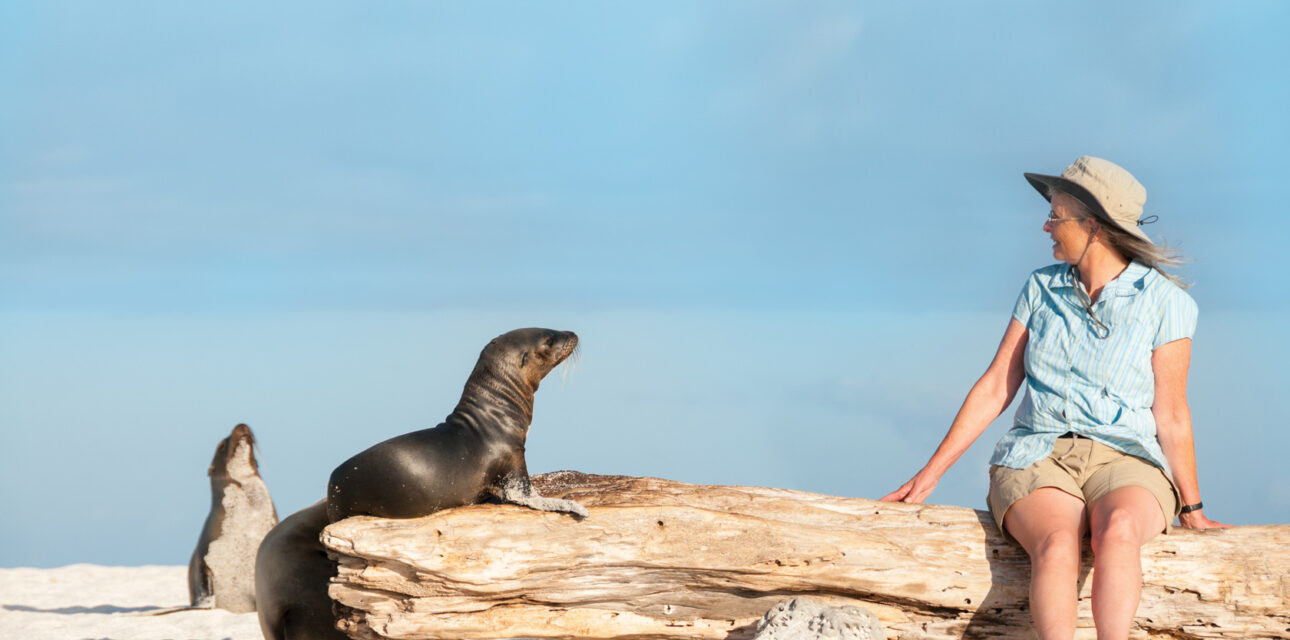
x,y
1128,283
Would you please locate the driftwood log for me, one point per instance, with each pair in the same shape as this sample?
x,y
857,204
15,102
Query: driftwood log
x,y
663,559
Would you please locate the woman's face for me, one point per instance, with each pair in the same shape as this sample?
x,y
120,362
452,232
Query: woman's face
x,y
1069,234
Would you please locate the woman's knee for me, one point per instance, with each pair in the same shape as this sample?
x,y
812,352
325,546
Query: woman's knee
x,y
1059,546
1049,523
1118,527
1126,517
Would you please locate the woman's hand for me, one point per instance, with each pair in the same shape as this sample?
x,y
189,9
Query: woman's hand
x,y
917,489
1197,520
988,398
1169,363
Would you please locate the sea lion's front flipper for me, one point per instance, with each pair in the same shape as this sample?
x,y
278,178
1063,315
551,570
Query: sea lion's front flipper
x,y
518,490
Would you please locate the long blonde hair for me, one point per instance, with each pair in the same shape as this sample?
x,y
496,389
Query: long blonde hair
x,y
1132,247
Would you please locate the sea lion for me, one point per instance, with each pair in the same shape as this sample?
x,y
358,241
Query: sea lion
x,y
292,572
477,452
221,573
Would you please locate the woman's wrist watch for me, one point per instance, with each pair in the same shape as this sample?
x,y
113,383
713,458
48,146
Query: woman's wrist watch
x,y
1191,507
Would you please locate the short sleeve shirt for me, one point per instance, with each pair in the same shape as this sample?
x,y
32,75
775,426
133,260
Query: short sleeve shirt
x,y
1098,387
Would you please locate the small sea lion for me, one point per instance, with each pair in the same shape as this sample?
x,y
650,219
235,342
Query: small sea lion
x,y
221,573
477,452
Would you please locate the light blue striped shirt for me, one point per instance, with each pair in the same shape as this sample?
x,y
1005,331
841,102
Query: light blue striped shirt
x,y
1098,387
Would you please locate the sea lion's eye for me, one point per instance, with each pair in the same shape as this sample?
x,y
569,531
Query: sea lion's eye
x,y
550,340
524,359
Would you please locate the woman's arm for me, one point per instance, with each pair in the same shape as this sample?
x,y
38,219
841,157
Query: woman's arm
x,y
1170,362
987,399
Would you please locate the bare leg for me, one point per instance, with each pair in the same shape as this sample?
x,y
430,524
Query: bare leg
x,y
1049,524
1121,522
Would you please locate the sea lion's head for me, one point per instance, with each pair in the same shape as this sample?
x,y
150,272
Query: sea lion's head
x,y
527,355
235,457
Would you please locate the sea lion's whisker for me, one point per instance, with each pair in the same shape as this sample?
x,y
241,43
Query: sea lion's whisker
x,y
570,363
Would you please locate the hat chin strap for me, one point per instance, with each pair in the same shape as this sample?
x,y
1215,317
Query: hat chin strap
x,y
1100,328
1083,253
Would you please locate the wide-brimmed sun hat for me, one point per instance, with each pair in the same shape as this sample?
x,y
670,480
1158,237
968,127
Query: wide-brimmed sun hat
x,y
1106,188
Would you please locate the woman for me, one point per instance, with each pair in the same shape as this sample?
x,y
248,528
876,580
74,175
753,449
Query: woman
x,y
1102,341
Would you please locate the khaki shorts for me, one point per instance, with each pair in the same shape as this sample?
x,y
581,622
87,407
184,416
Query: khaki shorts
x,y
1086,469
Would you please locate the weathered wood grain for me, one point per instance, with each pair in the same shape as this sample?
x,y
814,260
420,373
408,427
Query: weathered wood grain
x,y
663,559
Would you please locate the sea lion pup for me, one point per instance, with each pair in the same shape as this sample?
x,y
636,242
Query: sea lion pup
x,y
477,452
221,573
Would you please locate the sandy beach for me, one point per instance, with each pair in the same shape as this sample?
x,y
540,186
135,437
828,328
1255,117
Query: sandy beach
x,y
83,601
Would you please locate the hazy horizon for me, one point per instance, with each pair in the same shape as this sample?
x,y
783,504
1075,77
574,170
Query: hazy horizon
x,y
789,236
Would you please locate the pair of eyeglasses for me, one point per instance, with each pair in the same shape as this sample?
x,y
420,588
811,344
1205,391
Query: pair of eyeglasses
x,y
1052,217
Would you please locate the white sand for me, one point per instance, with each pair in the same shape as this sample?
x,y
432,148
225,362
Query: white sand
x,y
84,601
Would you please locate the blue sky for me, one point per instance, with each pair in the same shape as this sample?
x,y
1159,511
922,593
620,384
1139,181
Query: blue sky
x,y
789,235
